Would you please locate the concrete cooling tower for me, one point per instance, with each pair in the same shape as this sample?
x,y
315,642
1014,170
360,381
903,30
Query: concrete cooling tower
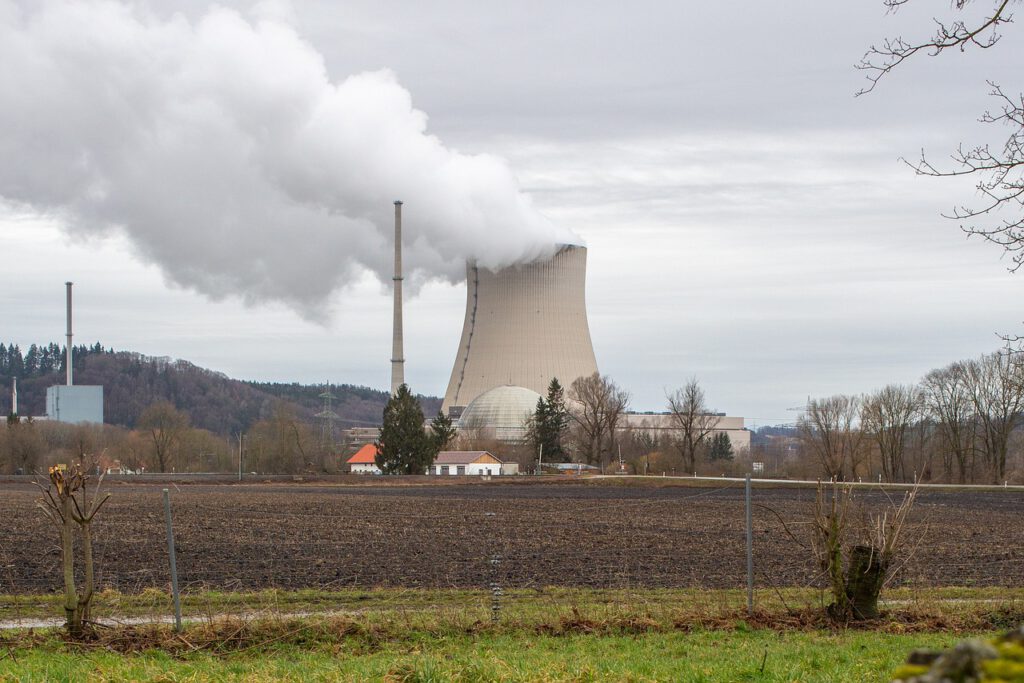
x,y
524,325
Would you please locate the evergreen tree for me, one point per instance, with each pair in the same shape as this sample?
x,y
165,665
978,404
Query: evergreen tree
x,y
721,447
546,427
403,446
32,361
442,432
15,363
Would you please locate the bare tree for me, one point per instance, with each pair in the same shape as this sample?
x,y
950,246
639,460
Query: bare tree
x,y
1001,171
950,401
887,417
827,429
282,442
21,446
692,421
67,504
166,426
998,397
596,406
856,562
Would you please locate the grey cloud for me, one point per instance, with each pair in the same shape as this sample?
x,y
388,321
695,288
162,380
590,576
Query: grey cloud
x,y
222,148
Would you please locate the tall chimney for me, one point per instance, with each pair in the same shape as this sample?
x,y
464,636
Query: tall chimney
x,y
397,353
68,284
14,396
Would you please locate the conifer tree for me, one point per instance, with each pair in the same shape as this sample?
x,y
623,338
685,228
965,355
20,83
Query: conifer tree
x,y
547,425
403,446
721,447
442,432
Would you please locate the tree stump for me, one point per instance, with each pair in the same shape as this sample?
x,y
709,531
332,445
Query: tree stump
x,y
864,578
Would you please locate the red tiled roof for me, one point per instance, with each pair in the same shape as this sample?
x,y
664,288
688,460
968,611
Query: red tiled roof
x,y
364,456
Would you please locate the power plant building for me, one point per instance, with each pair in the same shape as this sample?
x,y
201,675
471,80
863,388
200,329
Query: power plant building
x,y
74,404
70,402
524,325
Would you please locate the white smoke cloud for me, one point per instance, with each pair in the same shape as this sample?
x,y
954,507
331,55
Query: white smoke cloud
x,y
228,156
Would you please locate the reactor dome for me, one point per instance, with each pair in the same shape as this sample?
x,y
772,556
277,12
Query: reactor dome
x,y
500,413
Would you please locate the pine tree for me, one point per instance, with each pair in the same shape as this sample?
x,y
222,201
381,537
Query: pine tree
x,y
403,446
442,432
721,447
32,361
15,363
547,425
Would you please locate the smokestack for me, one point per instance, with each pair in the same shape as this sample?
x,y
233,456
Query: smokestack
x,y
68,284
397,354
14,396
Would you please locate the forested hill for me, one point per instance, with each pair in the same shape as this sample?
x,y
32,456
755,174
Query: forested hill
x,y
213,401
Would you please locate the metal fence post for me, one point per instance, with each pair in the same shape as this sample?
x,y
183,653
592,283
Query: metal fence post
x,y
174,565
494,561
750,552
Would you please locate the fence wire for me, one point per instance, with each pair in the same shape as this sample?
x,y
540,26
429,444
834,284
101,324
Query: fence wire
x,y
479,548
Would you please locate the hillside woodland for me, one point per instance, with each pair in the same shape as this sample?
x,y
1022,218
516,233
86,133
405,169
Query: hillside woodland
x,y
170,415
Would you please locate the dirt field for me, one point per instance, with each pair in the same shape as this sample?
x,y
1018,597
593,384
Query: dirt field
x,y
244,537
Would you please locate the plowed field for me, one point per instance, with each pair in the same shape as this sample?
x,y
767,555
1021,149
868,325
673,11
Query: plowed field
x,y
245,537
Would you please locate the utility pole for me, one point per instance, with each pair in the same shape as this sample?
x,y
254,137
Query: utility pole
x,y
540,460
240,437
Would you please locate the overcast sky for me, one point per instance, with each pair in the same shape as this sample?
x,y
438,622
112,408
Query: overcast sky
x,y
747,219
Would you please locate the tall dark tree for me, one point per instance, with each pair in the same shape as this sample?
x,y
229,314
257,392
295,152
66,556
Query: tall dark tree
x,y
15,362
721,447
442,432
546,427
403,446
32,361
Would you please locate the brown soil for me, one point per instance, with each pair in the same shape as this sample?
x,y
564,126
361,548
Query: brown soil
x,y
296,535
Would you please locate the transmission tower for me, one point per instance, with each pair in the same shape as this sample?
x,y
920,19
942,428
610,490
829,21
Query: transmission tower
x,y
327,418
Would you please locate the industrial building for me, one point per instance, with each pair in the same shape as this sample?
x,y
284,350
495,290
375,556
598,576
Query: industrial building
x,y
663,425
70,403
524,325
499,413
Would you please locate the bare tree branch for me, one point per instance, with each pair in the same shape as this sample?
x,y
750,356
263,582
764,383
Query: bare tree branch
x,y
879,61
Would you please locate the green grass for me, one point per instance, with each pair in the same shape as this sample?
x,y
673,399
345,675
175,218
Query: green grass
x,y
726,656
529,605
554,634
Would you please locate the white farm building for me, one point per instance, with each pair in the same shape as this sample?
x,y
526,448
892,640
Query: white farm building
x,y
476,463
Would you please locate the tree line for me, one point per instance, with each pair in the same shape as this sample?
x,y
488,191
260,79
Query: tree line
x,y
961,423
41,360
132,382
587,423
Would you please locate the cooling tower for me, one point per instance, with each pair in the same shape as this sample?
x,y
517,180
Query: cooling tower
x,y
524,325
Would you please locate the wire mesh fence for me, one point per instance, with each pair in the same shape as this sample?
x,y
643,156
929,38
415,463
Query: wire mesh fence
x,y
482,550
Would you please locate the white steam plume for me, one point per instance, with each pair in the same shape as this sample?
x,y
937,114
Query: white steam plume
x,y
229,157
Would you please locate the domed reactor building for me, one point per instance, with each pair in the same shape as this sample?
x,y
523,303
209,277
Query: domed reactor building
x,y
524,325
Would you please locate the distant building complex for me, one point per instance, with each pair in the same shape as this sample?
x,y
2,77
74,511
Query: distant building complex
x,y
70,403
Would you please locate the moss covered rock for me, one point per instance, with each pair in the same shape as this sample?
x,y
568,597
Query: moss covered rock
x,y
1000,660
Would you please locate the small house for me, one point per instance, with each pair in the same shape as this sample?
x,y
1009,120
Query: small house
x,y
476,463
364,461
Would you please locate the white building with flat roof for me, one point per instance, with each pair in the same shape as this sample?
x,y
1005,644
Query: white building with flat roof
x,y
75,404
657,424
